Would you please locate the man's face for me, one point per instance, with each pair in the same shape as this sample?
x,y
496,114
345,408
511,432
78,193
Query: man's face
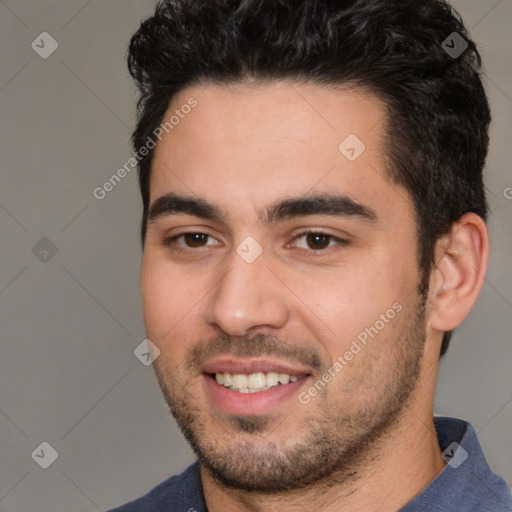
x,y
265,284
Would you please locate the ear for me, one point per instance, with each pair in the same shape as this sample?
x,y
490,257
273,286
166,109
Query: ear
x,y
461,262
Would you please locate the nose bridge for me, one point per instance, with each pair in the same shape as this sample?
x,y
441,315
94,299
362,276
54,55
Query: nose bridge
x,y
247,296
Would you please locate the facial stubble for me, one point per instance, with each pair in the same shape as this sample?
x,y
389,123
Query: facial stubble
x,y
244,454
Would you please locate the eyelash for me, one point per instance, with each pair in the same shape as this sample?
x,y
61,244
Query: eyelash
x,y
170,242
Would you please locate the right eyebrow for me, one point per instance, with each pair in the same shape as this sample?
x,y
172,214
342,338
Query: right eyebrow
x,y
169,204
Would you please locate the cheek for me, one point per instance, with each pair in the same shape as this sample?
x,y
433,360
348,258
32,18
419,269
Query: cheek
x,y
350,299
167,295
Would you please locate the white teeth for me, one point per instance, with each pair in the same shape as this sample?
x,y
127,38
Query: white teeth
x,y
228,379
272,379
239,381
284,378
254,382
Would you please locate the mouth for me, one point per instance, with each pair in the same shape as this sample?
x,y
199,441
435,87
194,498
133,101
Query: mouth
x,y
252,386
253,382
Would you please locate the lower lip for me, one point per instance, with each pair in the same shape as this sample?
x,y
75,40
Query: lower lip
x,y
251,404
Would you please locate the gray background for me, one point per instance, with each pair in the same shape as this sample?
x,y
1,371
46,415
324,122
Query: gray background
x,y
68,375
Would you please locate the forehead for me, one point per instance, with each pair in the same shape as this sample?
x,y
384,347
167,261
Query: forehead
x,y
248,144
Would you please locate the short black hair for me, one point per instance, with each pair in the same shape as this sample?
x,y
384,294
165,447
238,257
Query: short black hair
x,y
438,113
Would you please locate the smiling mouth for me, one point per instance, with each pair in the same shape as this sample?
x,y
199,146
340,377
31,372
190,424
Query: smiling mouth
x,y
253,382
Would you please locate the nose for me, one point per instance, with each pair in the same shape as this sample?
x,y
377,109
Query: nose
x,y
247,297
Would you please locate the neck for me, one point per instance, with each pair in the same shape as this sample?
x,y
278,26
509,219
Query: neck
x,y
399,465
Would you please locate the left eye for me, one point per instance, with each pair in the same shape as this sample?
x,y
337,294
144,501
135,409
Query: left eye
x,y
317,241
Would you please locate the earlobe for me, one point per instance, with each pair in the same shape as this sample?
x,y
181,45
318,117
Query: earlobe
x,y
461,263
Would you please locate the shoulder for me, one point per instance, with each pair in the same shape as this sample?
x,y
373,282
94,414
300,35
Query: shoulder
x,y
179,492
466,483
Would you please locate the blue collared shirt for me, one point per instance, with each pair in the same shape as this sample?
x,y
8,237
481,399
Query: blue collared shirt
x,y
466,484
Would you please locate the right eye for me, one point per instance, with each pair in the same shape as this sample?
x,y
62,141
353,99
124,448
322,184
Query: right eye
x,y
191,240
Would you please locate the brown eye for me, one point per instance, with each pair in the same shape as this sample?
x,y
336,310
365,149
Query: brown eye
x,y
195,239
189,242
318,240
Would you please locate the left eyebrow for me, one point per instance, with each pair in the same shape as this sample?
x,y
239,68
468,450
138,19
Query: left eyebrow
x,y
319,204
300,206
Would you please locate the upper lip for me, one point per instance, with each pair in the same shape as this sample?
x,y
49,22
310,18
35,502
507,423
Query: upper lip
x,y
228,364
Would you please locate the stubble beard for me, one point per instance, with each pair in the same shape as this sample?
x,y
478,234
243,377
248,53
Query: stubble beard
x,y
334,445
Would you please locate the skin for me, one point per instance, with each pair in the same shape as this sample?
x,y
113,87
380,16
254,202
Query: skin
x,y
243,148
